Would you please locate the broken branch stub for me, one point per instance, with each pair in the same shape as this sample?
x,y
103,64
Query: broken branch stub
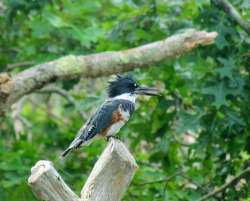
x,y
108,180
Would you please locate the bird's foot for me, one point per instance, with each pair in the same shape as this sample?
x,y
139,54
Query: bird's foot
x,y
112,136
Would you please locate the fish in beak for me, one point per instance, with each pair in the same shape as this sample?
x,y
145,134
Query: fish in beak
x,y
149,91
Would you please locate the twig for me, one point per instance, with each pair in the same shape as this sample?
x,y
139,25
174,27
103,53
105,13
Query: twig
x,y
233,13
66,95
19,64
160,180
190,180
19,121
225,186
49,112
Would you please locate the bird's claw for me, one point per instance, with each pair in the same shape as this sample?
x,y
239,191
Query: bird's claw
x,y
112,136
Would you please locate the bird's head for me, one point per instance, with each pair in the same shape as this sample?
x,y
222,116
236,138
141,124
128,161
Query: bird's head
x,y
126,84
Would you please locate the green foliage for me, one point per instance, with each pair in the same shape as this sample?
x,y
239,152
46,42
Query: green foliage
x,y
205,96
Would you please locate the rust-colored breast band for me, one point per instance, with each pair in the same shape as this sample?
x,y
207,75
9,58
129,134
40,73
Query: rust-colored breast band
x,y
116,117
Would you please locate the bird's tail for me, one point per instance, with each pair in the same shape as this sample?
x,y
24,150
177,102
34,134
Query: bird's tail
x,y
74,145
66,151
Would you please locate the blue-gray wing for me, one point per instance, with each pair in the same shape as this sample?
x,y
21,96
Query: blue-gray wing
x,y
103,117
100,121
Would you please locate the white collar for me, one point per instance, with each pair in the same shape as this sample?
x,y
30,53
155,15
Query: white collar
x,y
127,96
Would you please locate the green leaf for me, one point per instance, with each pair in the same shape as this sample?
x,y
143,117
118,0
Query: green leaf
x,y
219,92
234,118
227,69
221,40
87,35
188,121
56,21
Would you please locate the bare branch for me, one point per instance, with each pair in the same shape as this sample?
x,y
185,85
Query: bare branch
x,y
19,64
101,64
233,13
225,186
48,111
66,95
19,121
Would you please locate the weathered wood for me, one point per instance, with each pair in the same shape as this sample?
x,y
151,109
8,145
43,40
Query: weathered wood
x,y
111,174
47,184
108,180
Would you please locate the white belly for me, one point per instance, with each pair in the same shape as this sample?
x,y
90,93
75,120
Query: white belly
x,y
115,128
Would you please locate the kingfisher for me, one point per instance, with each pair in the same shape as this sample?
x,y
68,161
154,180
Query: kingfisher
x,y
113,113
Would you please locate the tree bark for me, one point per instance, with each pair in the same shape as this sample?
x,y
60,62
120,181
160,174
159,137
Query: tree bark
x,y
100,64
108,180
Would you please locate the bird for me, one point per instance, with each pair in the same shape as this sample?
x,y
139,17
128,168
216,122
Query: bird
x,y
113,113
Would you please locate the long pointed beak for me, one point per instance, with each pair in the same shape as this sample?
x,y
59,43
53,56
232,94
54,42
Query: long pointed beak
x,y
149,91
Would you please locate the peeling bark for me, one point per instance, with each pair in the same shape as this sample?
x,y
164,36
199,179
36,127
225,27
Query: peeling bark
x,y
100,64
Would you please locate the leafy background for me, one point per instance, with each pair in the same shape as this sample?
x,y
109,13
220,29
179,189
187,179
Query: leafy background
x,y
197,133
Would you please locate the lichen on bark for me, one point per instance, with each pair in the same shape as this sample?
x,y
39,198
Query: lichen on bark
x,y
100,64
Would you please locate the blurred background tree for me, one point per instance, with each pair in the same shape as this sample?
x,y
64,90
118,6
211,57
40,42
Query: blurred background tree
x,y
189,141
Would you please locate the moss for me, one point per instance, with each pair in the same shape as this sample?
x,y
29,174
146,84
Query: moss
x,y
70,66
124,59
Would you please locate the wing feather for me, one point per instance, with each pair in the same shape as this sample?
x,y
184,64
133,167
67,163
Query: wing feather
x,y
100,121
